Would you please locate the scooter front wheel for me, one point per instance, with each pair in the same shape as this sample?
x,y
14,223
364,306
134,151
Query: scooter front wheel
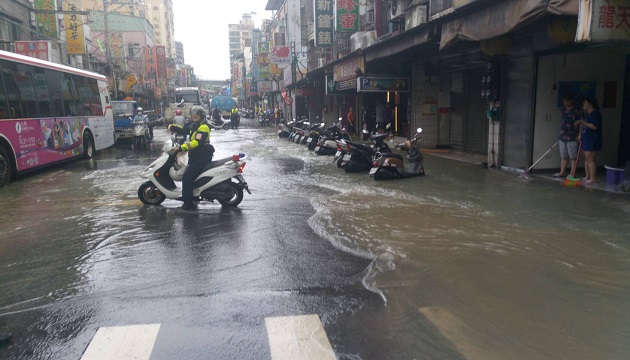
x,y
236,196
149,194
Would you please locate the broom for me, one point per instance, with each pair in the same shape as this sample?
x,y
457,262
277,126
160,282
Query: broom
x,y
571,180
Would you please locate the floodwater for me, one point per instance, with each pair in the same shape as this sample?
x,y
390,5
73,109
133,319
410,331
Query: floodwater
x,y
466,262
487,263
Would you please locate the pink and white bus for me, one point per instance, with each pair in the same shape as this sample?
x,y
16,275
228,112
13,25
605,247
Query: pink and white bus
x,y
49,113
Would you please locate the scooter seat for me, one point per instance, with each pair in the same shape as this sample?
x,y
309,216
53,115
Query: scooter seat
x,y
394,155
215,163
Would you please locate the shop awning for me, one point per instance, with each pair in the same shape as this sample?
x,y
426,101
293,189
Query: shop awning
x,y
396,44
503,18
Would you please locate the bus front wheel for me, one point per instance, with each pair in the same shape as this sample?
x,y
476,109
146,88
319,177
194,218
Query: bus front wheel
x,y
5,167
88,146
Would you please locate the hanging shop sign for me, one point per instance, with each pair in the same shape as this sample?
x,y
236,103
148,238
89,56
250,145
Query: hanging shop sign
x,y
382,84
348,69
339,87
36,49
324,20
348,15
603,20
265,86
46,21
280,55
75,44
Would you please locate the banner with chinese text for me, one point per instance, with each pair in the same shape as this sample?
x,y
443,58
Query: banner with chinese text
x,y
348,15
75,43
46,22
603,20
323,22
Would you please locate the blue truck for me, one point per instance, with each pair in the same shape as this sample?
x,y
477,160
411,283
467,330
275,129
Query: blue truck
x,y
124,112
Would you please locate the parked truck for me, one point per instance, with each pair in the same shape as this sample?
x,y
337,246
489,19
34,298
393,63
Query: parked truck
x,y
124,112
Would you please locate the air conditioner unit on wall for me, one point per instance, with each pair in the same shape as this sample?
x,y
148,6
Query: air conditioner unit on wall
x,y
362,39
396,8
415,16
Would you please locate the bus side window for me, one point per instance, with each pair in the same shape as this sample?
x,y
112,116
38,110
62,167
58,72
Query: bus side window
x,y
24,79
12,93
54,80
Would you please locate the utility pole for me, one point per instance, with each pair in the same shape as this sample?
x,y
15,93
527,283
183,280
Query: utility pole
x,y
108,53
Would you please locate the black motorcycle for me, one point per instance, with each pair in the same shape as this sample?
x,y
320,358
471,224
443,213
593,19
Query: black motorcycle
x,y
389,166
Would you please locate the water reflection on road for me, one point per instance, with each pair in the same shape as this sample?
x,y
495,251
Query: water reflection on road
x,y
493,264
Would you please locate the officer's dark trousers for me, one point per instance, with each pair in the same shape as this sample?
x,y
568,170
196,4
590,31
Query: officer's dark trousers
x,y
194,169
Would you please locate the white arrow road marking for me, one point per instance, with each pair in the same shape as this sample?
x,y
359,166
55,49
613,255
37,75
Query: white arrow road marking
x,y
122,342
298,338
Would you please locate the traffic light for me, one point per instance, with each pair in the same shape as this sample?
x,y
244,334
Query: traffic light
x,y
491,81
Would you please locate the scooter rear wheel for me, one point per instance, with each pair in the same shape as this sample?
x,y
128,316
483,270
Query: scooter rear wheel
x,y
236,196
149,194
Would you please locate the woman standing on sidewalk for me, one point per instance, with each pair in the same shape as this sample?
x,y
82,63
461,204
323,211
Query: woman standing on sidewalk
x,y
590,137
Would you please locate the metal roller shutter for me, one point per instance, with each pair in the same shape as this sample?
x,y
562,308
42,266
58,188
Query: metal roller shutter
x,y
476,123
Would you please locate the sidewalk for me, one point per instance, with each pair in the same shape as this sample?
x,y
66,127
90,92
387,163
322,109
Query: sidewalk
x,y
481,159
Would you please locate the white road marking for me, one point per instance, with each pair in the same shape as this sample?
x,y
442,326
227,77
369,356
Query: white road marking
x,y
122,342
298,338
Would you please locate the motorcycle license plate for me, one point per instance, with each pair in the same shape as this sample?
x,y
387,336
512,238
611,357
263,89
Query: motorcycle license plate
x,y
316,148
347,157
337,153
373,170
309,139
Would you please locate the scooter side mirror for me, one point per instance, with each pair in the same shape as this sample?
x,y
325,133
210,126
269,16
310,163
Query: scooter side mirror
x,y
418,130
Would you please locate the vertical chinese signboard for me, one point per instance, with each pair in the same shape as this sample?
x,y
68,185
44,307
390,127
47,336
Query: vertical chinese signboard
x,y
150,65
348,15
161,61
46,22
323,23
74,28
263,59
603,20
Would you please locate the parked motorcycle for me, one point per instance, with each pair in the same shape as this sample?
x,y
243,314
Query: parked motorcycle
x,y
361,156
284,130
388,166
220,180
328,143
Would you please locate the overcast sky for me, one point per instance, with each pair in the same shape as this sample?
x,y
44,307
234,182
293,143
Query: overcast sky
x,y
202,25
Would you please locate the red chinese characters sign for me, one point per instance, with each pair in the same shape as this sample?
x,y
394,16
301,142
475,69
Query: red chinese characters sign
x,y
348,15
603,20
36,49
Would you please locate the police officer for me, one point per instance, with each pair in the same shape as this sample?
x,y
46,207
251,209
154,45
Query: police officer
x,y
234,118
199,151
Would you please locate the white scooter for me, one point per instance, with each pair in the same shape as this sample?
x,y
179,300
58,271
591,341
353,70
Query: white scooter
x,y
214,183
219,124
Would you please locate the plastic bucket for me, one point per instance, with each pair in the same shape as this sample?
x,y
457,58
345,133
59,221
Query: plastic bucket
x,y
614,176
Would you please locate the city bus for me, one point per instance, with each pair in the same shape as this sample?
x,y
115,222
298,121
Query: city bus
x,y
49,113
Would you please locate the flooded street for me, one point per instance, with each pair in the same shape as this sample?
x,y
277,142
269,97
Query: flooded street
x,y
492,264
464,263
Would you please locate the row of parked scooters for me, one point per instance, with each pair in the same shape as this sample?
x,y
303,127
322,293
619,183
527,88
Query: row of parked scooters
x,y
372,154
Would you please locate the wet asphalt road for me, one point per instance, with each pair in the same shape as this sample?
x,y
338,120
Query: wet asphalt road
x,y
80,252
